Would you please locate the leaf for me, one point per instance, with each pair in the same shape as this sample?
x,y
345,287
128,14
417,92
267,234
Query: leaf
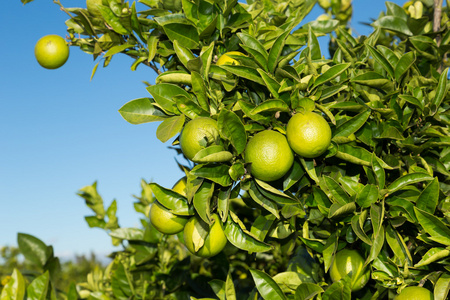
x,y
429,197
432,255
340,210
241,237
352,125
183,53
169,128
229,288
378,171
274,194
330,249
307,290
442,287
331,73
398,246
117,49
244,72
441,90
129,234
212,154
408,179
393,23
140,111
335,191
437,230
377,245
218,286
276,51
253,43
34,250
164,94
15,288
308,165
232,129
367,196
185,34
217,173
339,290
405,62
202,201
313,45
267,287
379,57
171,200
357,228
263,201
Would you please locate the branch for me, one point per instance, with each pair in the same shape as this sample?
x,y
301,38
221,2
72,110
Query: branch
x,y
437,19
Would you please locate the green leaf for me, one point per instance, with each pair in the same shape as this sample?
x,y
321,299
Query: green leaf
x,y
263,201
232,129
335,191
339,290
244,72
405,62
267,287
272,193
338,210
373,79
308,165
271,83
352,125
34,250
171,200
202,201
140,111
117,49
442,287
307,290
164,94
15,288
218,286
378,171
367,196
408,179
437,230
129,234
185,34
429,197
432,255
377,245
253,43
398,246
183,53
229,288
189,108
357,228
441,90
241,238
313,45
331,73
169,128
393,23
212,154
379,57
271,106
275,51
217,173
330,249
122,282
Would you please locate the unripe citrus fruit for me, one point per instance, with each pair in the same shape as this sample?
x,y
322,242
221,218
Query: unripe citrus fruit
x,y
269,154
51,51
197,135
415,293
214,242
225,59
350,261
165,221
308,134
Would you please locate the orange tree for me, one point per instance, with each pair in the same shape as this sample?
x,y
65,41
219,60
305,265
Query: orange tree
x,y
381,187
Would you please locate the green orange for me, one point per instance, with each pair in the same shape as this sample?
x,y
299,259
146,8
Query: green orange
x,y
198,134
349,261
269,154
308,134
165,221
415,293
214,242
51,51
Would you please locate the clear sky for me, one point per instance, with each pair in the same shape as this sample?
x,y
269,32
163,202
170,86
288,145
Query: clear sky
x,y
60,131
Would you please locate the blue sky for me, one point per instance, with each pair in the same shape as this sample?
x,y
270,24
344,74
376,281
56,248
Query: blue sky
x,y
60,131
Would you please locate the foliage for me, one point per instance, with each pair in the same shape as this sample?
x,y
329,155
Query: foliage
x,y
382,187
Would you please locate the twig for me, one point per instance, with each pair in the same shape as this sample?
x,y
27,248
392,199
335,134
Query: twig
x,y
437,26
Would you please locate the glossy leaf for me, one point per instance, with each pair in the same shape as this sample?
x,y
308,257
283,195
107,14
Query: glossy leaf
x,y
432,255
232,128
212,154
352,125
429,197
331,73
442,287
307,290
140,111
267,287
244,72
404,64
14,289
169,128
407,180
164,93
241,238
441,90
216,173
34,249
276,51
437,230
202,201
171,200
335,191
379,57
263,201
368,195
185,34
